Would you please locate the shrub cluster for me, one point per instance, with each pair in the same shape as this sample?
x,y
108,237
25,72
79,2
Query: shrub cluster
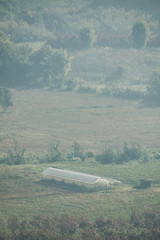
x,y
50,66
128,154
140,34
77,152
124,93
143,225
14,62
15,156
5,98
55,154
43,67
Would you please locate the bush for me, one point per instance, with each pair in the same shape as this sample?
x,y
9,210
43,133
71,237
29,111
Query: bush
x,y
128,154
140,34
14,62
70,85
82,40
6,55
53,154
77,152
90,154
5,98
87,36
15,156
108,156
50,66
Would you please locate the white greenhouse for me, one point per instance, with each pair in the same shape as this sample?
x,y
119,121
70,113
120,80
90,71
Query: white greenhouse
x,y
78,178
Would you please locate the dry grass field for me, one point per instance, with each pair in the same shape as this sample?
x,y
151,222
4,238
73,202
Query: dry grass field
x,y
42,117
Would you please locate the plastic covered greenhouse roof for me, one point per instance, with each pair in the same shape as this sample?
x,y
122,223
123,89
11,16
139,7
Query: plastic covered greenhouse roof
x,y
75,176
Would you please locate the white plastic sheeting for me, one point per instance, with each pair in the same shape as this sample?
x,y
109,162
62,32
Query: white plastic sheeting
x,y
72,176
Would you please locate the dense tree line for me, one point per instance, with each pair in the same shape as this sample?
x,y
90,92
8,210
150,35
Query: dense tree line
x,y
20,65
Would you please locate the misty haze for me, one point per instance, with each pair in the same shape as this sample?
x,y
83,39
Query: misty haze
x,y
79,119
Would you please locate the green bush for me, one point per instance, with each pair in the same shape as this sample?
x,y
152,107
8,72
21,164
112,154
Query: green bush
x,y
53,154
22,66
128,154
82,40
108,156
140,34
50,66
87,36
70,85
14,62
5,98
77,152
89,154
6,55
15,156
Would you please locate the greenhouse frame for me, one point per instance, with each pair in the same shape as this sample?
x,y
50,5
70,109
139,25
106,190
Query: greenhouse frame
x,y
78,178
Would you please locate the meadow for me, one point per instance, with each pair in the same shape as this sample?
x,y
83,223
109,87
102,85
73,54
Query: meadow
x,y
25,194
40,118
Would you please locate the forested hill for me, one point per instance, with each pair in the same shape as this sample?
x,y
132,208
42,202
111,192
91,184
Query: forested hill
x,y
26,26
10,5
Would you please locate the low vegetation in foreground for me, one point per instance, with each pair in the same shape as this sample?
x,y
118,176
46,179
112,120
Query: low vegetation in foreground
x,y
34,208
142,225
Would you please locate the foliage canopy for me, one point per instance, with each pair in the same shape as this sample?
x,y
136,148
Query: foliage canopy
x,y
140,34
50,66
87,36
5,98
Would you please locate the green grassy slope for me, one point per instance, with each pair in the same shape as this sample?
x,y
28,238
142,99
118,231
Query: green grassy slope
x,y
24,194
